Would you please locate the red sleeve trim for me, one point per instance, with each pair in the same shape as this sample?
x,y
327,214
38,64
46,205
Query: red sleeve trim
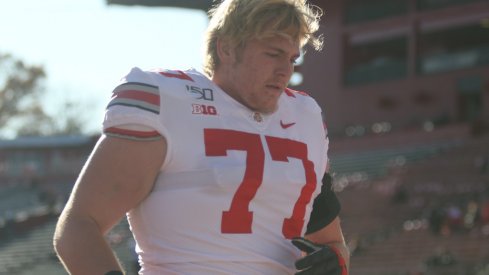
x,y
132,134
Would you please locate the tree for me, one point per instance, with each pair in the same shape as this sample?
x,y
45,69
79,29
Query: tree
x,y
21,111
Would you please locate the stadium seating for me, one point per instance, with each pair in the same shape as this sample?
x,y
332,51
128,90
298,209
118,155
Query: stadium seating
x,y
388,234
377,230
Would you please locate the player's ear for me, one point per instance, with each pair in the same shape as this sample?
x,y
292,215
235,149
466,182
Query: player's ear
x,y
225,51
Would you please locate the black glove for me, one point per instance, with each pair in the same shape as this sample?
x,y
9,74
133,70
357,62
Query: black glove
x,y
320,259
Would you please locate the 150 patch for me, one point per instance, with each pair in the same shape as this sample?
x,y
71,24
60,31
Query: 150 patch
x,y
201,93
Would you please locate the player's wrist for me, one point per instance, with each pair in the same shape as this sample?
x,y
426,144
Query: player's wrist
x,y
320,258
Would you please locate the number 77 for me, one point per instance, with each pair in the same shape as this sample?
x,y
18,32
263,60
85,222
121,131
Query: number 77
x,y
238,219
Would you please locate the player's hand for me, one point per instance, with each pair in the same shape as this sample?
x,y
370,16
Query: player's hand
x,y
320,259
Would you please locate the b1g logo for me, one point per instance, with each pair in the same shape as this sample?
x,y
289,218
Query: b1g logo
x,y
202,93
202,109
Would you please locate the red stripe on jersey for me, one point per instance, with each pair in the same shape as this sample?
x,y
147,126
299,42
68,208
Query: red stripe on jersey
x,y
292,93
132,133
178,74
138,95
289,92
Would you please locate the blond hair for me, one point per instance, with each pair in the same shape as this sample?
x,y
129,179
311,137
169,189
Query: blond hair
x,y
241,20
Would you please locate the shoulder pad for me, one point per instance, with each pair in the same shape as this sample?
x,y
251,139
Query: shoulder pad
x,y
138,75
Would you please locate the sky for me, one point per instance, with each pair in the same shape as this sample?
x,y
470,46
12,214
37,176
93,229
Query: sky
x,y
86,46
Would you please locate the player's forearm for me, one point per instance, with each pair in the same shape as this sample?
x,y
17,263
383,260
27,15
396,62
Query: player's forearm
x,y
83,249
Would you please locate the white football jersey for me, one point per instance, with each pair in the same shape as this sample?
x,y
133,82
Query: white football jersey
x,y
235,185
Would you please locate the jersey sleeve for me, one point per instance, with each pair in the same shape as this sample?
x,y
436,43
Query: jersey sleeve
x,y
135,102
326,206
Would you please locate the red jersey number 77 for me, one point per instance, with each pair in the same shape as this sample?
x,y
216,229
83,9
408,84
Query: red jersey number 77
x,y
239,219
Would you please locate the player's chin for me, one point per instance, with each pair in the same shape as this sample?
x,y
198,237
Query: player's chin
x,y
268,107
268,100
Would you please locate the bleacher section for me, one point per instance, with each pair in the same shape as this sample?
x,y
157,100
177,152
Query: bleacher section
x,y
395,238
27,250
33,253
373,156
376,163
388,234
17,199
415,251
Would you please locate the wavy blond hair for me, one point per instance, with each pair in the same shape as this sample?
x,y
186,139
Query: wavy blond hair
x,y
241,20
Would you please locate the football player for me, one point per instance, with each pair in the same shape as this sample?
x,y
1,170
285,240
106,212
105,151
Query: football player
x,y
218,172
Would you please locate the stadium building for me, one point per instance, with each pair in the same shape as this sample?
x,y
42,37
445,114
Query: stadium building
x,y
393,65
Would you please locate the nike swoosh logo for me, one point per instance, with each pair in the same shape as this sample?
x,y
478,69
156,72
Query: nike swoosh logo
x,y
286,125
